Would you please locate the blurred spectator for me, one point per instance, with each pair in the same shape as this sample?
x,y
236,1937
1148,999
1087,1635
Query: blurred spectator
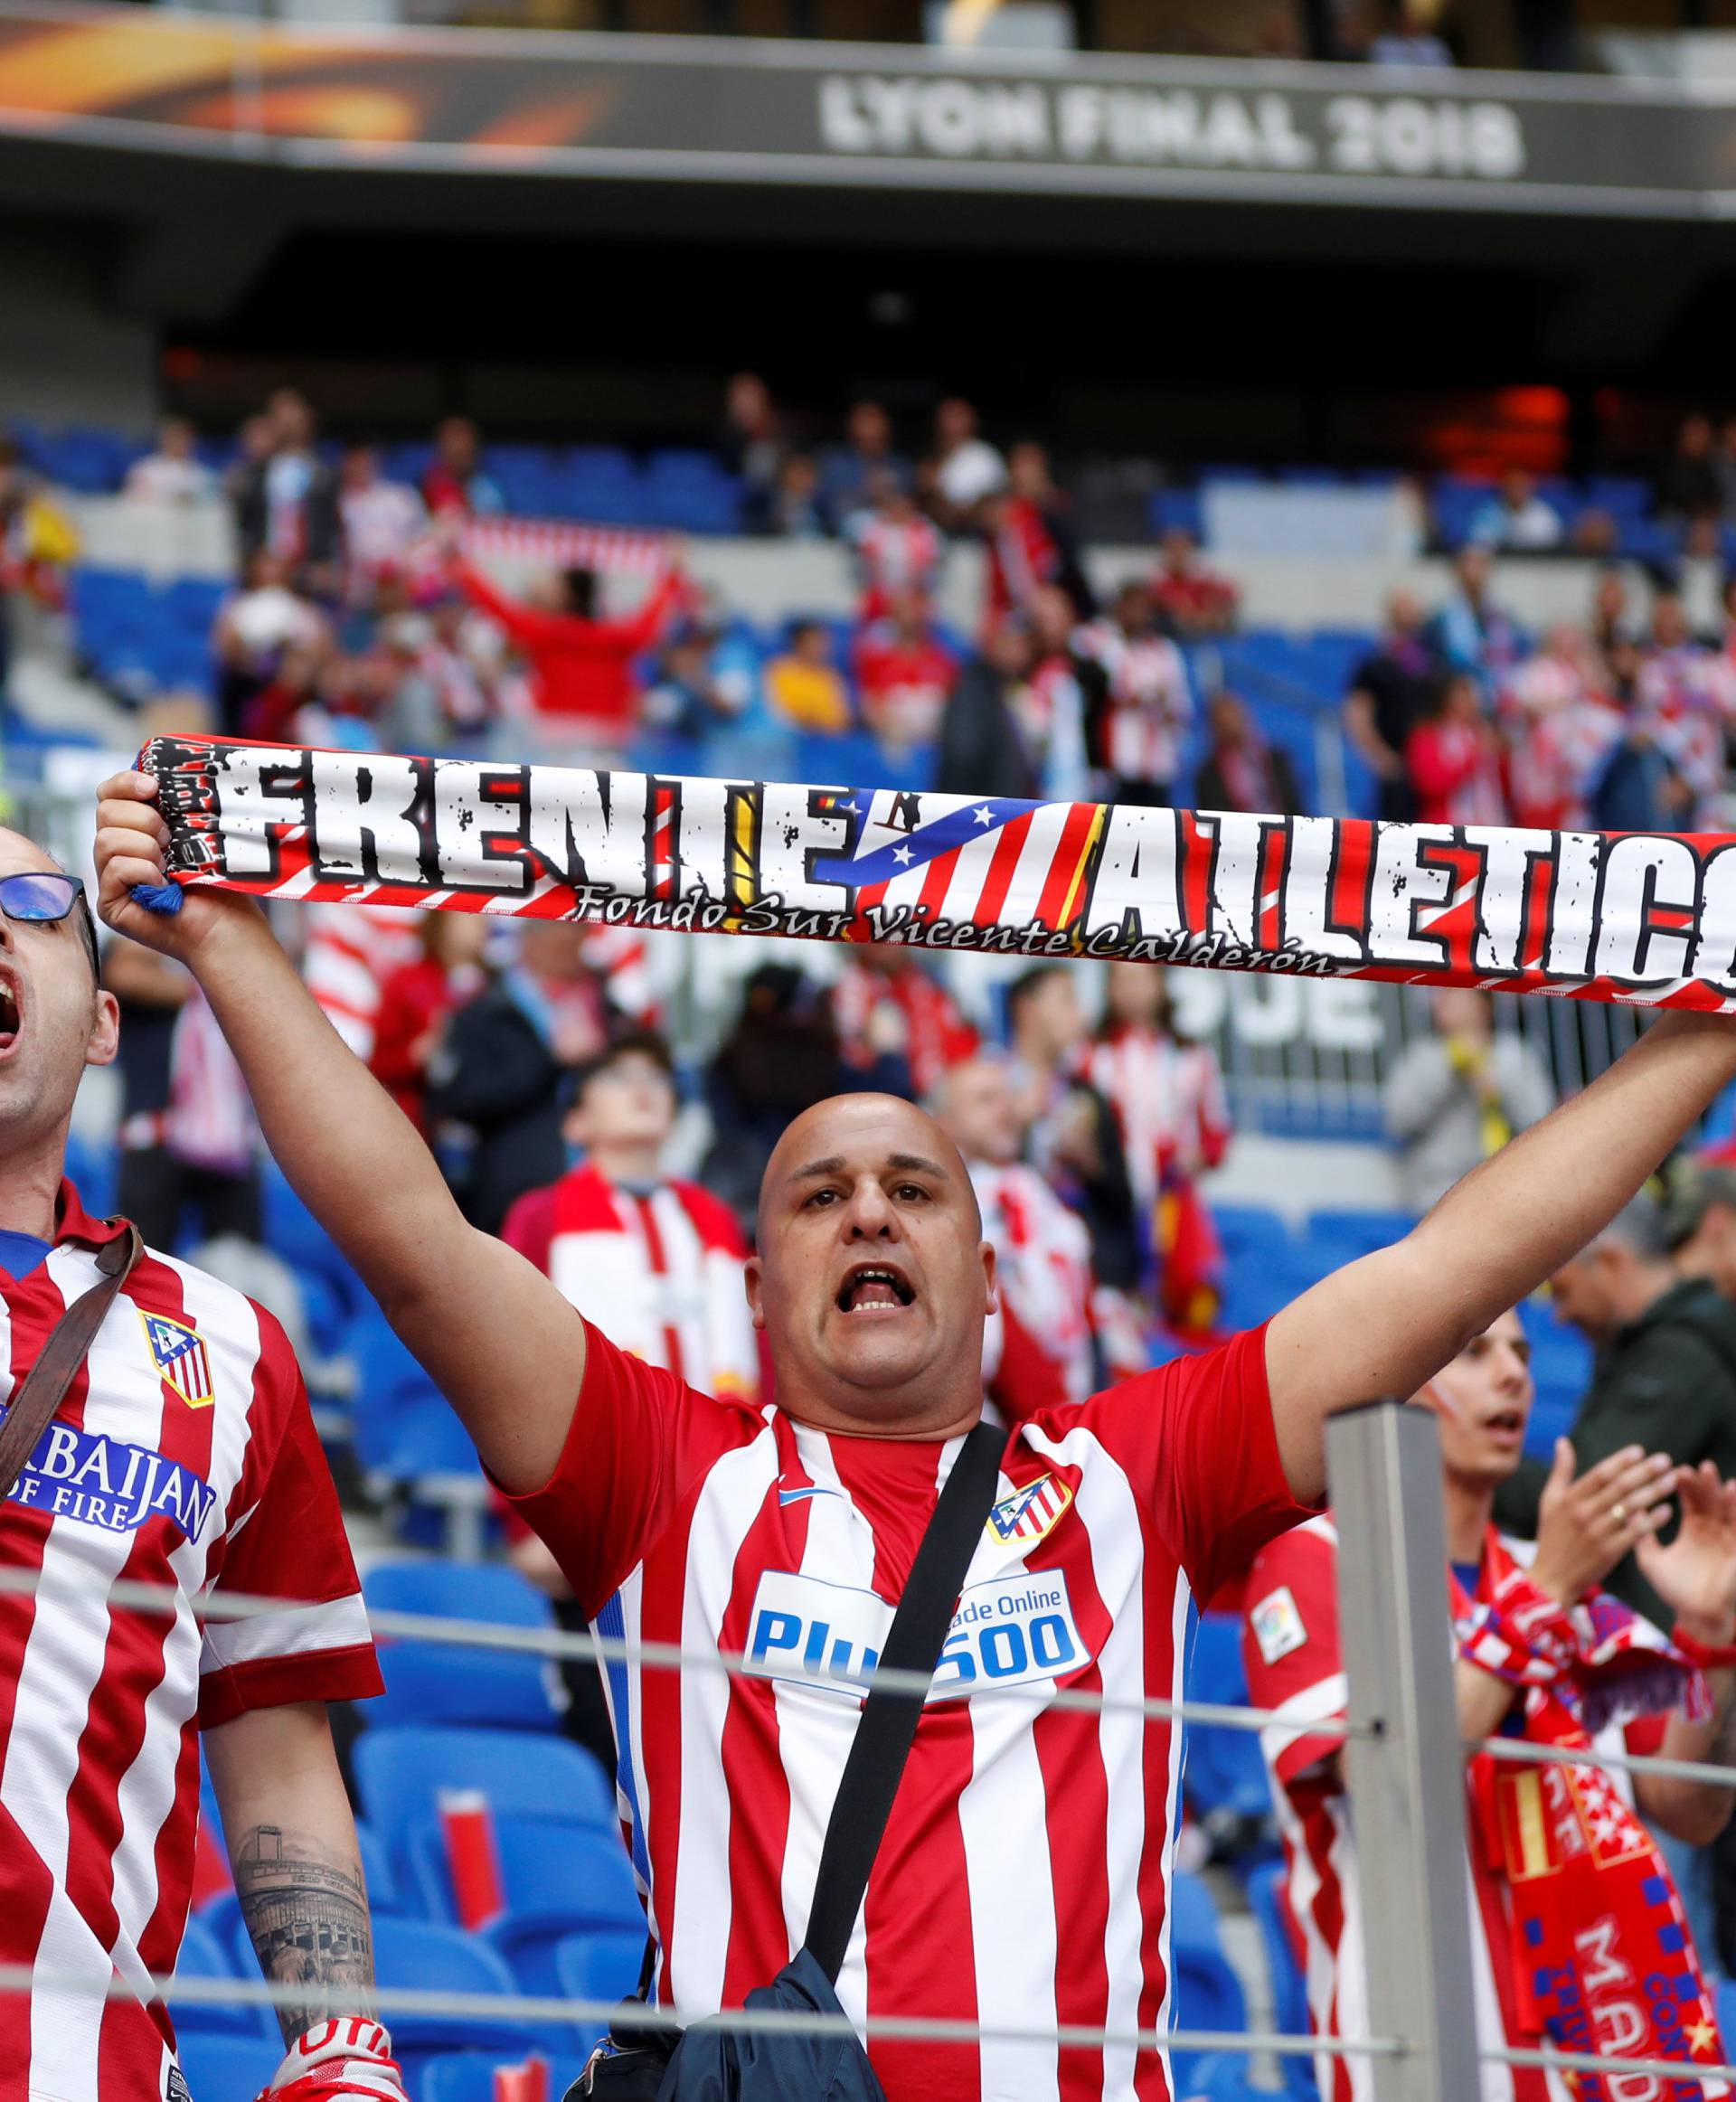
x,y
1702,1221
984,748
1691,691
751,446
1042,1251
659,1260
383,521
1243,770
1664,1375
848,472
799,508
1471,633
1639,786
1406,37
1454,761
500,1070
1191,599
456,480
254,445
804,686
286,505
964,467
449,687
258,629
1689,484
1074,1140
1560,730
1390,693
1030,540
694,691
1456,1096
174,474
1167,1096
189,1145
416,999
1144,704
14,493
782,1057
1516,519
887,1006
1049,703
895,547
580,666
904,673
1611,619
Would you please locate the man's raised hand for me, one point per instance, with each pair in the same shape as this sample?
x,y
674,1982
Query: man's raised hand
x,y
1695,1575
132,842
1585,1527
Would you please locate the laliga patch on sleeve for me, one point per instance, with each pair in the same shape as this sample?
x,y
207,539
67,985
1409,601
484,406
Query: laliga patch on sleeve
x,y
1277,1625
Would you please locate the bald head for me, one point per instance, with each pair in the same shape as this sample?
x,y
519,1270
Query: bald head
x,y
872,1278
819,1138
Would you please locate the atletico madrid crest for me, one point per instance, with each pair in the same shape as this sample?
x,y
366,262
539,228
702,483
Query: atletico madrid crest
x,y
180,1355
1031,1513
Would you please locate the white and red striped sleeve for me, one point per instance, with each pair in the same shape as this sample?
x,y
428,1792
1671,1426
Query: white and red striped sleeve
x,y
1289,1644
1198,1443
285,1540
639,1438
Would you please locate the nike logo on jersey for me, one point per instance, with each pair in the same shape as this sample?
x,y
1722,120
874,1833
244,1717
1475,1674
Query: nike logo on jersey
x,y
787,1496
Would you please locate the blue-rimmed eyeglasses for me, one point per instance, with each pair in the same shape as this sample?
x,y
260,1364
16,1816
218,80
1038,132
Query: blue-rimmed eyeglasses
x,y
35,895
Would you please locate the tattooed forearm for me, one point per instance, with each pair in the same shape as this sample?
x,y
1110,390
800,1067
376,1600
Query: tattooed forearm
x,y
306,1909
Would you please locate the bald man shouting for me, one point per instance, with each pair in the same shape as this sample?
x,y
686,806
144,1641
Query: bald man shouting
x,y
1023,1875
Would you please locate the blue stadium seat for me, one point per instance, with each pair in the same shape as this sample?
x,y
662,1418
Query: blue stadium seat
x,y
400,1770
470,2076
204,1955
1343,1235
1270,1907
226,2068
1218,2077
1208,1994
1622,496
1250,1233
1223,1770
604,1967
422,1955
432,1683
557,1880
1177,511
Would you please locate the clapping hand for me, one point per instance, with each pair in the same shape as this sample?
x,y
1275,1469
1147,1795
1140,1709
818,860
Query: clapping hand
x,y
1585,1527
1695,1575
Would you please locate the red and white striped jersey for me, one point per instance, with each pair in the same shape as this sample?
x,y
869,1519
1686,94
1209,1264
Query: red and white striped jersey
x,y
184,1455
893,555
1295,1666
1043,1252
351,952
1168,1099
1023,1873
663,1266
1150,702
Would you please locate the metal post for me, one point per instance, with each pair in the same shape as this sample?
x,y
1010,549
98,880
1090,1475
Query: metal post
x,y
1406,1781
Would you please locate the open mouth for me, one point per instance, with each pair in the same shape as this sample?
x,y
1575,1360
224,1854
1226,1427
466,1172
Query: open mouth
x,y
875,1288
1506,1423
11,1012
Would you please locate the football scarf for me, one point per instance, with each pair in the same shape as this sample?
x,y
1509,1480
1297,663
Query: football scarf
x,y
1638,917
1602,1959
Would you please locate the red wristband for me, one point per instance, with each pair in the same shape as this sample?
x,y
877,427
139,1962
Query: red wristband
x,y
1708,1656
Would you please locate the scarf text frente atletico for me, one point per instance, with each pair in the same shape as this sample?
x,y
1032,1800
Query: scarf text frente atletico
x,y
1647,917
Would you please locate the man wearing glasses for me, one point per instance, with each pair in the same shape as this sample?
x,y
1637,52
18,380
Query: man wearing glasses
x,y
182,1455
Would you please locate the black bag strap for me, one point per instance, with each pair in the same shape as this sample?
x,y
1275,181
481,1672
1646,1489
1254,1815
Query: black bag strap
x,y
58,1360
888,1726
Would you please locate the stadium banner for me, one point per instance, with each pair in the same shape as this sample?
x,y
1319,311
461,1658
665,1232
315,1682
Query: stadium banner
x,y
1644,918
549,103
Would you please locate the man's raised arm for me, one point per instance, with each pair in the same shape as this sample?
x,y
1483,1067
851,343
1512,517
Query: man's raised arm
x,y
497,1339
1384,1325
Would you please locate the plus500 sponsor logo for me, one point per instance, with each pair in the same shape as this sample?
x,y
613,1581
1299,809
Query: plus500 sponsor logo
x,y
1007,1633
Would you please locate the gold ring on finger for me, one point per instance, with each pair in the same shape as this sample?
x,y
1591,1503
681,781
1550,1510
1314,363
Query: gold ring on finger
x,y
1619,1512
